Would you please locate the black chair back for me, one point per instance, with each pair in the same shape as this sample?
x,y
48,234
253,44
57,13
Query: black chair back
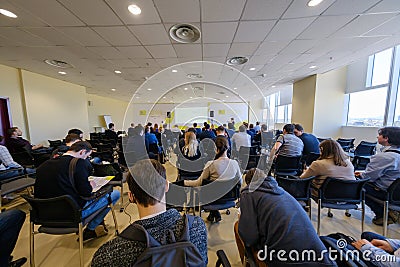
x,y
55,143
394,192
297,188
153,148
104,147
365,149
311,157
287,164
60,211
93,142
24,158
248,157
346,144
338,190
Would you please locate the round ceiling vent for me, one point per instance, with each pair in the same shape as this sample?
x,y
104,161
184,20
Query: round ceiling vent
x,y
235,61
184,33
58,63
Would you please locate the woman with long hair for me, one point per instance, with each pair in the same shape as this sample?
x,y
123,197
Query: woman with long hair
x,y
333,162
221,168
191,148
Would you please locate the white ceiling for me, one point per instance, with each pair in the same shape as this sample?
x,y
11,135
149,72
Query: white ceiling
x,y
282,38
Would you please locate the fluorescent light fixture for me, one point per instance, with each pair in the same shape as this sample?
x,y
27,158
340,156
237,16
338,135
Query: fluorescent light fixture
x,y
312,67
174,71
314,2
134,9
62,72
149,89
113,89
117,71
7,13
252,69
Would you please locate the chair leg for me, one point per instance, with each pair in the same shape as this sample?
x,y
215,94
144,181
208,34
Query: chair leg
x,y
121,209
31,245
81,245
362,215
114,218
319,216
385,217
309,208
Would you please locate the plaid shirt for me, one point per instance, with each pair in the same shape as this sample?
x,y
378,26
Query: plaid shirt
x,y
6,159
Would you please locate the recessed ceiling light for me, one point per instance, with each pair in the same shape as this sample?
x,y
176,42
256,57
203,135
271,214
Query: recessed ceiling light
x,y
235,61
312,67
185,88
252,69
138,97
190,97
117,71
227,96
149,89
134,9
273,86
7,13
234,88
314,2
164,97
174,71
113,89
62,72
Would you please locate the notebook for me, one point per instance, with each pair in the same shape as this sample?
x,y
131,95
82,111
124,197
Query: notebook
x,y
98,182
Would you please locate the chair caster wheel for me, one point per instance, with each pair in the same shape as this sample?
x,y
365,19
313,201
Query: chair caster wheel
x,y
348,214
121,209
330,214
228,212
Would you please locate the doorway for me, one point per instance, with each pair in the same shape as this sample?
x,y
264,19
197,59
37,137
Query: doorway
x,y
5,117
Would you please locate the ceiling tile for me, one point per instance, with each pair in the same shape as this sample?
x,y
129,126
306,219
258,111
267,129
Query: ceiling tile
x,y
123,63
271,47
386,6
84,36
260,60
92,12
299,46
242,49
151,34
264,9
324,26
59,15
161,51
215,59
107,52
388,28
215,50
149,13
167,62
300,9
221,10
221,32
134,52
117,35
253,31
188,50
344,7
52,36
289,29
22,37
146,62
24,17
178,10
82,52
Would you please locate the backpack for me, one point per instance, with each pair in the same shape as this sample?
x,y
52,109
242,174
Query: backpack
x,y
177,253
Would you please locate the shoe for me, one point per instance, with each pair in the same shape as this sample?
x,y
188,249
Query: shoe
x,y
379,221
18,263
88,234
103,223
218,218
100,230
210,218
394,215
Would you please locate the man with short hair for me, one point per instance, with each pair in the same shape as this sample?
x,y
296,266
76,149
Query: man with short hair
x,y
382,170
70,139
310,141
8,163
197,129
110,132
53,180
148,186
257,128
15,143
264,137
207,133
76,131
241,138
288,144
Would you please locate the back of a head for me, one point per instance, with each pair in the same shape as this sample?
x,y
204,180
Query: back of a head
x,y
194,124
289,128
220,130
78,146
207,126
392,134
147,181
254,173
298,127
242,128
264,128
75,131
191,129
222,145
137,130
332,149
72,138
110,125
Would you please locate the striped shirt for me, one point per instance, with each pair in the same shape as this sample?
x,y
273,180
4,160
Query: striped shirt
x,y
292,146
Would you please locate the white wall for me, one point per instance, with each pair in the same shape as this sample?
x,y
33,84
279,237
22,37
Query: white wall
x,y
303,102
356,75
360,133
53,106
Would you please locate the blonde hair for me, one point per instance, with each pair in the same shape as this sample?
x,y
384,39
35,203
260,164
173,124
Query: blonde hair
x,y
332,149
191,145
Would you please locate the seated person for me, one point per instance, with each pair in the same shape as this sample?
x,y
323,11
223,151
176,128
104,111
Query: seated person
x,y
150,139
333,162
207,133
147,186
15,143
110,132
70,139
287,144
189,162
264,137
221,168
11,222
53,180
76,131
382,170
272,220
310,141
241,138
379,247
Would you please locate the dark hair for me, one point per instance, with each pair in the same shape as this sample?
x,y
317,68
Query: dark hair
x,y
242,128
110,125
264,127
147,129
207,126
257,123
194,124
1,138
72,137
221,129
146,181
392,134
75,131
191,129
298,127
149,124
78,146
254,173
251,126
289,128
221,142
11,130
332,149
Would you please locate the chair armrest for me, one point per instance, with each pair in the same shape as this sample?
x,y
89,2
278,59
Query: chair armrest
x,y
19,176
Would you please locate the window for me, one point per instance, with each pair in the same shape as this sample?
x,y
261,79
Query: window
x,y
396,120
280,114
379,67
367,108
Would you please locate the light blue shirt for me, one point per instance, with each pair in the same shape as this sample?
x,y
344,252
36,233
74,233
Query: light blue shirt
x,y
381,258
383,168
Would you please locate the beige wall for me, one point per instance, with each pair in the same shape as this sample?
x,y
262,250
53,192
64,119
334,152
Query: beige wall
x,y
106,106
53,106
303,102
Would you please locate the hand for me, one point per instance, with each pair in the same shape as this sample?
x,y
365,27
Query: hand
x,y
357,174
382,244
358,244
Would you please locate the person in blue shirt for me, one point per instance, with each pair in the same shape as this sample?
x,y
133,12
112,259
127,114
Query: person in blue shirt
x,y
149,138
382,170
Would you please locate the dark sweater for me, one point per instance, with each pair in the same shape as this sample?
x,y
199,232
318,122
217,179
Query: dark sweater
x,y
273,218
122,252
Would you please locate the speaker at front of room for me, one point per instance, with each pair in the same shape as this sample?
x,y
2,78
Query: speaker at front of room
x,y
168,115
211,113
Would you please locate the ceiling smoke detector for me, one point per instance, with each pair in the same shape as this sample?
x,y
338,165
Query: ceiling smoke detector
x,y
184,33
235,61
58,63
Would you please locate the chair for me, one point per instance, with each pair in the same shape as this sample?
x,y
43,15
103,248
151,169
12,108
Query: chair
x,y
24,158
309,158
341,194
346,144
298,188
59,216
287,165
55,143
391,201
222,259
248,157
362,154
320,139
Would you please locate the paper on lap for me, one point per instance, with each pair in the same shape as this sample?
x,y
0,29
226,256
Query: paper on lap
x,y
98,182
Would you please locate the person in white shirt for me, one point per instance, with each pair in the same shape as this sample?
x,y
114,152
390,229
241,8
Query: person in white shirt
x,y
241,138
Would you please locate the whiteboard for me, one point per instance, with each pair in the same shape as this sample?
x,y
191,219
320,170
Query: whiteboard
x,y
185,116
107,120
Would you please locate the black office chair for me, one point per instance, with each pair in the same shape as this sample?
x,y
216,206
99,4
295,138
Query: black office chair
x,y
362,154
59,216
310,157
341,194
24,158
391,201
287,166
346,143
55,143
298,188
248,157
222,259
